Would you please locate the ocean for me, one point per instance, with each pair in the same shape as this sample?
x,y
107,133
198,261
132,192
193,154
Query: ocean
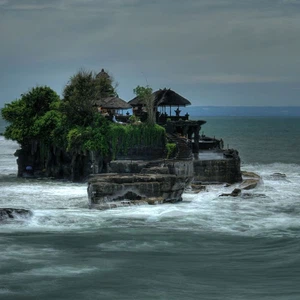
x,y
206,247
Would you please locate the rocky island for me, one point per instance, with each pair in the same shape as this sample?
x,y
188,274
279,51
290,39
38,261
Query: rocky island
x,y
148,155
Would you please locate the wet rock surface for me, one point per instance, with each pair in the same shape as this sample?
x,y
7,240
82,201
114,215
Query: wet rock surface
x,y
108,189
235,193
157,182
249,184
253,195
198,187
14,213
278,176
250,175
250,180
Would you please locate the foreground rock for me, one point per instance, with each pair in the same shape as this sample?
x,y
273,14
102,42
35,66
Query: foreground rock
x,y
140,182
112,190
14,213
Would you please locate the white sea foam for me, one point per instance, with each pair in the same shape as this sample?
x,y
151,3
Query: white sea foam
x,y
59,206
4,291
135,246
23,253
273,207
43,194
8,160
55,271
60,271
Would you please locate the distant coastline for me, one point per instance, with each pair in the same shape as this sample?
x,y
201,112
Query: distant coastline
x,y
244,111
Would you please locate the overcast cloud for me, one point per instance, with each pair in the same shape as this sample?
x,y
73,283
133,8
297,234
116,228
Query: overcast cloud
x,y
213,52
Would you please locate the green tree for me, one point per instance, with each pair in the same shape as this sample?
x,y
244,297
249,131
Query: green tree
x,y
145,94
34,116
81,94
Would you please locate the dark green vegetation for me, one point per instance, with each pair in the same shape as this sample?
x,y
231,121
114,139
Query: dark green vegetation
x,y
44,124
35,115
171,149
145,93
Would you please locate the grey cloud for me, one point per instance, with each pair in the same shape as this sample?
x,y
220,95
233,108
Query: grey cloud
x,y
172,42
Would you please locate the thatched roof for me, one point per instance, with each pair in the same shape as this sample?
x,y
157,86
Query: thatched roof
x,y
165,97
113,103
136,101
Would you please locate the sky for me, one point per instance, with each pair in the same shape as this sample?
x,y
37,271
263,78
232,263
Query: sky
x,y
212,52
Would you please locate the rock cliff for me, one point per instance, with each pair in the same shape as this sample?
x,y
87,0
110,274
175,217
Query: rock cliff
x,y
151,182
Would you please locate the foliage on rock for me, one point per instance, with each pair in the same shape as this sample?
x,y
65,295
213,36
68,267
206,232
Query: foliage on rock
x,y
93,137
135,135
33,116
171,150
50,129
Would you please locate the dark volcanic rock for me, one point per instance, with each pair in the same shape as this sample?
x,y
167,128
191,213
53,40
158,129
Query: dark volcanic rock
x,y
14,213
234,193
198,187
278,175
253,195
106,189
156,182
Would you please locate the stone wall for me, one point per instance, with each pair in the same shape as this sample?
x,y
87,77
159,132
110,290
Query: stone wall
x,y
226,170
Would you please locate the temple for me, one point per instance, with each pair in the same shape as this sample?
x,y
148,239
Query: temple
x,y
167,104
149,174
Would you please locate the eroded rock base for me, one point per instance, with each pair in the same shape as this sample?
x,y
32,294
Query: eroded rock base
x,y
112,190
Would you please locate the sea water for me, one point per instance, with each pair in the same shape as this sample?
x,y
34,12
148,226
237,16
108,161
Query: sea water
x,y
206,247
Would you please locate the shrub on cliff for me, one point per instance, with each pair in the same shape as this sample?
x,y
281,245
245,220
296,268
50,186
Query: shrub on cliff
x,y
122,138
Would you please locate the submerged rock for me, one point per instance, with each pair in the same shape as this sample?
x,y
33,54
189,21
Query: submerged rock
x,y
235,193
14,213
198,187
278,175
253,195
